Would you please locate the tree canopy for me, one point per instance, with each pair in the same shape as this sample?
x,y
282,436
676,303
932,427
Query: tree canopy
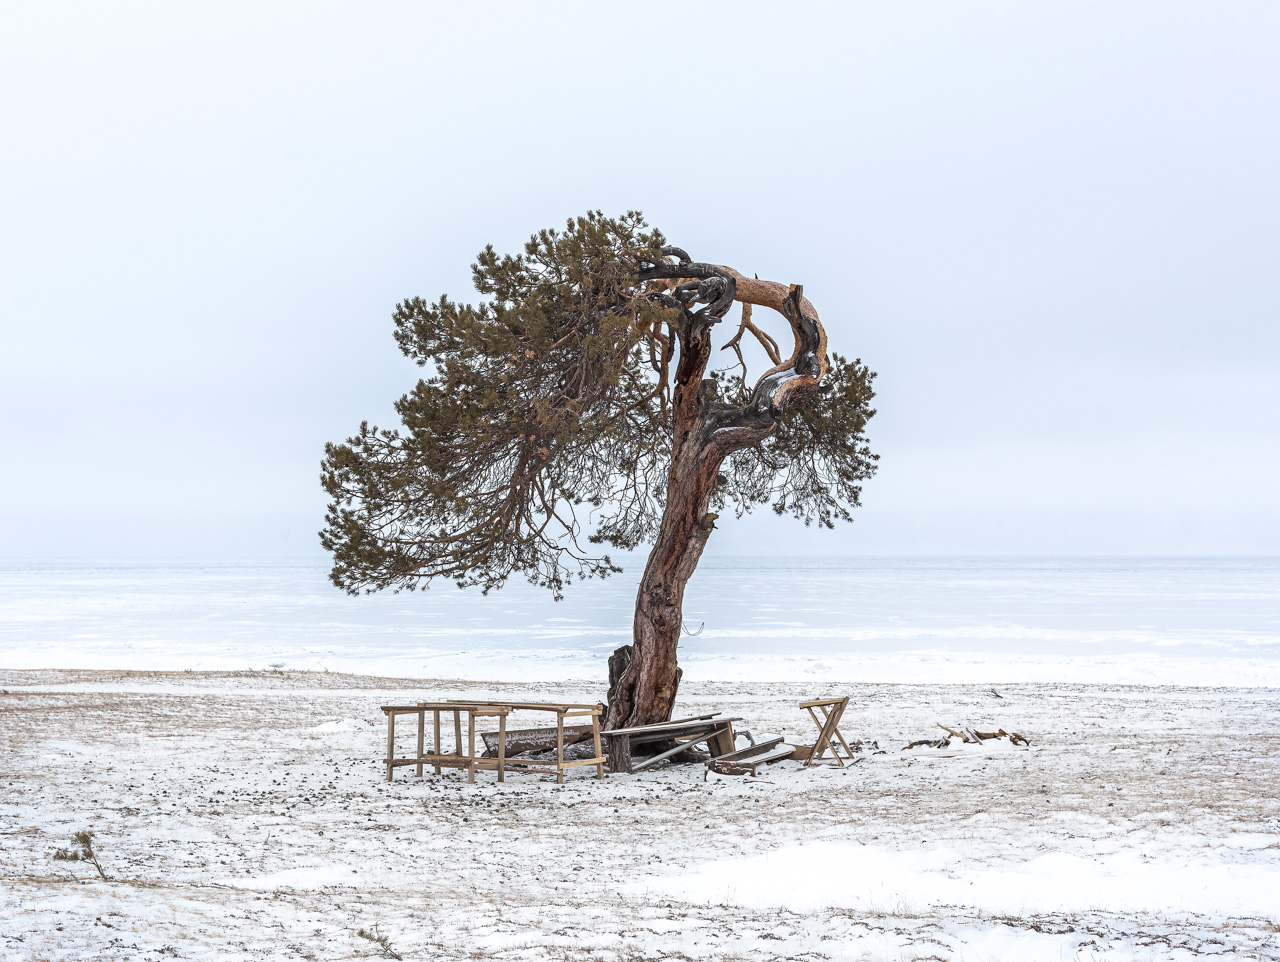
x,y
543,430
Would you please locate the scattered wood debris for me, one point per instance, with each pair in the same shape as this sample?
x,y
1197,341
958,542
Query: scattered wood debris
x,y
969,736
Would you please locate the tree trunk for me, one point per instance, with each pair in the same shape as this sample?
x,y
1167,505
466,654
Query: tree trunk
x,y
646,690
705,431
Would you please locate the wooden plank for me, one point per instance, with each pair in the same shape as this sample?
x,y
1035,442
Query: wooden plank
x,y
413,709
670,725
448,761
680,731
743,753
502,745
722,742
662,726
579,762
527,705
749,766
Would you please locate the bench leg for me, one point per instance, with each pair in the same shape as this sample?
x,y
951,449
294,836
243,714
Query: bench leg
x,y
457,733
595,736
436,749
502,746
559,748
391,743
471,746
422,733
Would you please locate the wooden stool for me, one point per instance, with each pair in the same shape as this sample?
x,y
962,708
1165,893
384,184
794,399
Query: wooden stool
x,y
832,710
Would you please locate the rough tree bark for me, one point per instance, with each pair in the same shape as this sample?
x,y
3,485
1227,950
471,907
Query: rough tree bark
x,y
706,431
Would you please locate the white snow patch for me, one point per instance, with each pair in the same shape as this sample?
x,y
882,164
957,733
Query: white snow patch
x,y
871,879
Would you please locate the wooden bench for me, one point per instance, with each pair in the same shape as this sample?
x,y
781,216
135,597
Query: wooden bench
x,y
465,757
460,757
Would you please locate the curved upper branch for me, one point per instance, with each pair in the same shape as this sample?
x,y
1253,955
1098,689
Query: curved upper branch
x,y
718,286
790,302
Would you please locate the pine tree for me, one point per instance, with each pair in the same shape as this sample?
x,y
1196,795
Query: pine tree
x,y
572,411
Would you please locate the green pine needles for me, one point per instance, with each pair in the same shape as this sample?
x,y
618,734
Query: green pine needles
x,y
544,426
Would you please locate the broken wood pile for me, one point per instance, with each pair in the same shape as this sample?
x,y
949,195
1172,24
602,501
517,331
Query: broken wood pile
x,y
747,761
683,732
969,736
630,750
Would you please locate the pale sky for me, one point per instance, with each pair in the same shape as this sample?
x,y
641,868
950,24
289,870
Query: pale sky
x,y
1053,229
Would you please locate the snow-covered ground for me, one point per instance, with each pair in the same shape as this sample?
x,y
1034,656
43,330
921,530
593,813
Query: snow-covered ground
x,y
244,815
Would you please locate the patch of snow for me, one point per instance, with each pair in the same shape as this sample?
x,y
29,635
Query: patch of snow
x,y
867,878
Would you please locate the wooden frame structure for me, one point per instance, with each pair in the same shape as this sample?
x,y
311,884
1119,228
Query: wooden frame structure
x,y
460,757
832,711
468,759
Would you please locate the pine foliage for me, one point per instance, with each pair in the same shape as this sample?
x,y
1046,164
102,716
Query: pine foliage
x,y
543,426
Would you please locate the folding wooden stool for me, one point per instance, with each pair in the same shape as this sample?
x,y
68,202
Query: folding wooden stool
x,y
829,726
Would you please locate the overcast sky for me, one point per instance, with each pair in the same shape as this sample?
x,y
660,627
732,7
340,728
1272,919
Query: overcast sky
x,y
1053,229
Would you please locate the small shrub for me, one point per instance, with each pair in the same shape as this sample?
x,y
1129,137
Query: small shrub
x,y
81,851
383,942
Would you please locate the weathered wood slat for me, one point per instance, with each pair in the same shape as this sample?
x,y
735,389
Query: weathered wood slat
x,y
534,739
527,705
665,726
750,766
741,754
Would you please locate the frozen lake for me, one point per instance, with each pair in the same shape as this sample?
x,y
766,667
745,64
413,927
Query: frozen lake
x,y
1171,621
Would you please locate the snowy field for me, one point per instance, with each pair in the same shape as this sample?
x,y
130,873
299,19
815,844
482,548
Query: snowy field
x,y
243,815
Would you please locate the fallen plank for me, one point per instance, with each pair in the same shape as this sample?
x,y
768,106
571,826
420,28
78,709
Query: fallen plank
x,y
750,766
743,754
